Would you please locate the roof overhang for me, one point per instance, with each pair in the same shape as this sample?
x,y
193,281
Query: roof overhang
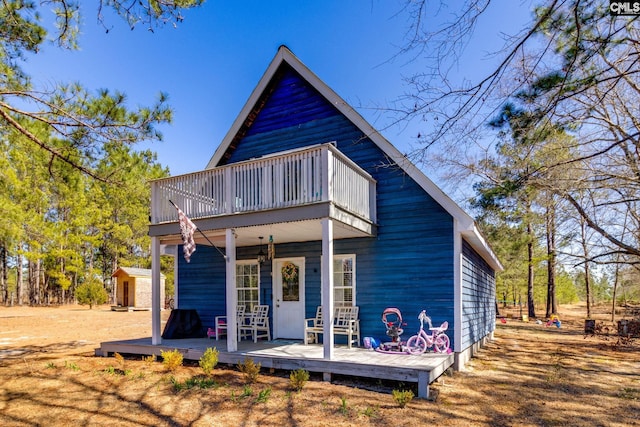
x,y
480,245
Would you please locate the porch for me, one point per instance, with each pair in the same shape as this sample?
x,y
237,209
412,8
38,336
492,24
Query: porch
x,y
358,362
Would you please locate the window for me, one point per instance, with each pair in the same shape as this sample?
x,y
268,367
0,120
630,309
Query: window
x,y
248,284
344,280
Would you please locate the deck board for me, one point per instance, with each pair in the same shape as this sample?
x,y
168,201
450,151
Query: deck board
x,y
422,369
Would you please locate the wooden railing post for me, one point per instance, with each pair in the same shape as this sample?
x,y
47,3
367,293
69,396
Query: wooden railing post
x,y
373,213
154,217
326,168
229,191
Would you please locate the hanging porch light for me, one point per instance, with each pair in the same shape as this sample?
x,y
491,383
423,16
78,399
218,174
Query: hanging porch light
x,y
261,255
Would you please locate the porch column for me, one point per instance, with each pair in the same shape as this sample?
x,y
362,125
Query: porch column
x,y
231,292
156,338
327,286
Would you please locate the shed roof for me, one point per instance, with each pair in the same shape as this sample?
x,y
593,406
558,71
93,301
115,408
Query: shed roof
x,y
465,223
134,272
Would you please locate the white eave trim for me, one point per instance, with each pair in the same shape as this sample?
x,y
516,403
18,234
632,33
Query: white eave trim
x,y
477,242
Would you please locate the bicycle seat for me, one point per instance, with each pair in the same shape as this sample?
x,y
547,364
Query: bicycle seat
x,y
441,328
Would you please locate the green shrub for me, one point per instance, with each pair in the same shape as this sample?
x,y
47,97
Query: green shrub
x,y
246,391
117,371
71,365
193,382
91,293
209,360
177,385
204,383
402,397
371,412
171,359
298,378
263,396
344,408
250,370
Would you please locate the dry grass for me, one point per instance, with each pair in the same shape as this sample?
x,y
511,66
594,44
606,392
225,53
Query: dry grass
x,y
530,375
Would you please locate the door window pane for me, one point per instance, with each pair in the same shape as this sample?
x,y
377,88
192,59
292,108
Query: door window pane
x,y
290,282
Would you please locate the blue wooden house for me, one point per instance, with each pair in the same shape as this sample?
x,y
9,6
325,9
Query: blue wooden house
x,y
305,204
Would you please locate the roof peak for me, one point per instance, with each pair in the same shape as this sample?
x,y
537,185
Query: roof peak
x,y
465,223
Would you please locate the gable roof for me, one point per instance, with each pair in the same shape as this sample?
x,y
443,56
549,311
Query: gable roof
x,y
464,223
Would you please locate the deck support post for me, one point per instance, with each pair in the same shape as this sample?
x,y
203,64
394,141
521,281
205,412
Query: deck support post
x,y
156,338
423,385
231,292
327,286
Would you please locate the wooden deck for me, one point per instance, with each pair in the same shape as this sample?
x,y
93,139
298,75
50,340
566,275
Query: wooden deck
x,y
359,362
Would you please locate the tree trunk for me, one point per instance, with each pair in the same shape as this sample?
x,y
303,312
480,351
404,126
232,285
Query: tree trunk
x,y
585,250
587,286
552,305
615,291
19,279
35,294
31,283
530,274
114,267
4,276
45,291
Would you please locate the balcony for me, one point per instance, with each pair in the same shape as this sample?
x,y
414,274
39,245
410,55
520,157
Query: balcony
x,y
317,175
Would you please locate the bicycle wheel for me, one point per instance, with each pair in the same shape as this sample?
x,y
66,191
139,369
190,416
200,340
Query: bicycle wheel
x,y
416,345
441,343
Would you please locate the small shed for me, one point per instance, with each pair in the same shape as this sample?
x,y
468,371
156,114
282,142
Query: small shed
x,y
133,287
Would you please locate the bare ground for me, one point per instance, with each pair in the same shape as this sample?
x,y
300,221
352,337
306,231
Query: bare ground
x,y
530,375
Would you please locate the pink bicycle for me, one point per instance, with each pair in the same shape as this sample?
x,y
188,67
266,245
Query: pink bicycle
x,y
420,342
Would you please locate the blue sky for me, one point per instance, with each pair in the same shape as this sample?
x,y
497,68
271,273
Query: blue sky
x,y
212,61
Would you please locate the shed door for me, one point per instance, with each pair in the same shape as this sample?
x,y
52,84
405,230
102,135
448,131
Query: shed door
x,y
288,312
125,294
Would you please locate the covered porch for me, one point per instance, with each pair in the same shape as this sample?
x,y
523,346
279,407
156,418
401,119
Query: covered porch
x,y
357,362
313,194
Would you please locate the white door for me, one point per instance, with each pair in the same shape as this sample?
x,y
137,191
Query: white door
x,y
288,291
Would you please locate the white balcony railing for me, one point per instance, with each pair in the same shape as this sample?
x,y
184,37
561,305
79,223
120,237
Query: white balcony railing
x,y
295,178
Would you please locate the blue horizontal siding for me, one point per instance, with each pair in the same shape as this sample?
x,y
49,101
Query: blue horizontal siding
x,y
292,101
202,283
478,297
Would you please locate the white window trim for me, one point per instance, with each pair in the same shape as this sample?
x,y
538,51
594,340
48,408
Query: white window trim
x,y
353,257
248,262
